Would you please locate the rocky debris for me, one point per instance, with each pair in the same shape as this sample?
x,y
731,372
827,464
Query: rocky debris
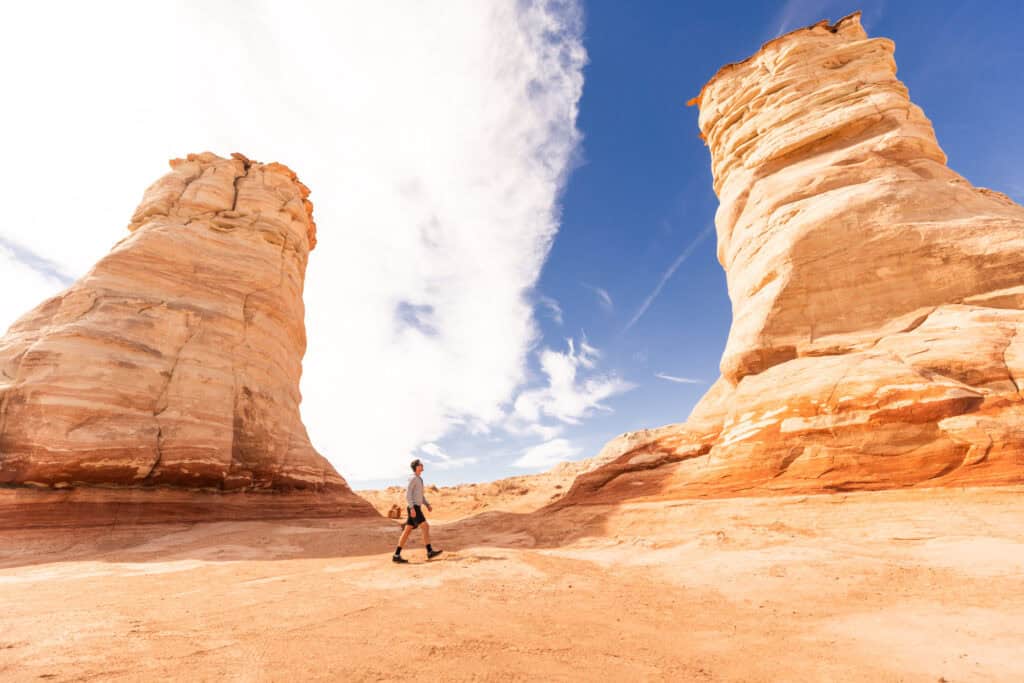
x,y
878,297
522,494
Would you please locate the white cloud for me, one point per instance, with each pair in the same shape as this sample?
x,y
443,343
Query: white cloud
x,y
567,397
442,460
547,454
435,137
519,427
603,297
678,380
553,308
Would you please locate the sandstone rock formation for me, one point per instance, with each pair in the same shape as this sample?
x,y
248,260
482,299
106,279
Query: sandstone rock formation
x,y
175,361
878,297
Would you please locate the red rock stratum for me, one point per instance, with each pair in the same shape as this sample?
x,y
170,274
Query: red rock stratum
x,y
878,297
175,362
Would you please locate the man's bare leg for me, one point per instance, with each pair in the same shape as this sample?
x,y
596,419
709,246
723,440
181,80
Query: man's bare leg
x,y
406,531
397,557
431,552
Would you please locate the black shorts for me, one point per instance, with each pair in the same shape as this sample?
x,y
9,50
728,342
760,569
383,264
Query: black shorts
x,y
415,516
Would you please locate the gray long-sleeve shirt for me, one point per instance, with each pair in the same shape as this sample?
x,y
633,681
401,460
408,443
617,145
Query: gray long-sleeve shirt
x,y
414,492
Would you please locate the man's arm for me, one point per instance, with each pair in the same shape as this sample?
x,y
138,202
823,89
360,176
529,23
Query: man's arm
x,y
423,495
422,489
410,496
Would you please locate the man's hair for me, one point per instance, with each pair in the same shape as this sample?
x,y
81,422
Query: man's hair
x,y
414,464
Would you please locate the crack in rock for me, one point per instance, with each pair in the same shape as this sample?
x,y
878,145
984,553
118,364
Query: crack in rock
x,y
159,452
160,405
235,464
1009,372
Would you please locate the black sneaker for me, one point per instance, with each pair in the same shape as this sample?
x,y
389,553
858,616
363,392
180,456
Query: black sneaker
x,y
398,559
431,554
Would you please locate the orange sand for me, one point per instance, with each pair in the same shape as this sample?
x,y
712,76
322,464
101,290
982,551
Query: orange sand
x,y
905,585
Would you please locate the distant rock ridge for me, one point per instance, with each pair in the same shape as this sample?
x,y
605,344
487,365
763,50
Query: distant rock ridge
x,y
878,297
175,361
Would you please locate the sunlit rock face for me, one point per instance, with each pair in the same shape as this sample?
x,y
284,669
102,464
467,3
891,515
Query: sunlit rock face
x,y
878,297
175,361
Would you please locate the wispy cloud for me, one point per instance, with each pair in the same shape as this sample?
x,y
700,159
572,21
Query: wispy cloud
x,y
552,306
603,297
547,454
539,430
436,197
40,264
569,396
442,461
678,380
685,254
25,280
795,14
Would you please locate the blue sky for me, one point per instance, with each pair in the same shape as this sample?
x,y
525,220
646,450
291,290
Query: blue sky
x,y
501,188
642,195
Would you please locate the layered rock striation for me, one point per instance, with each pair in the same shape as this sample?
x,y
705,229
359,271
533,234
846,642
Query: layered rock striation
x,y
175,362
878,297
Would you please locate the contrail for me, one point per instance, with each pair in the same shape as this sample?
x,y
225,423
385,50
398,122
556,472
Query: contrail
x,y
678,380
668,274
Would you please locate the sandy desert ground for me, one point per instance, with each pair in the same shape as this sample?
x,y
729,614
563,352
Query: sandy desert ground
x,y
922,585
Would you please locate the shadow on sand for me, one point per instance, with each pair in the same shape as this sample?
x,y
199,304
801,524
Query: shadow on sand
x,y
126,540
284,539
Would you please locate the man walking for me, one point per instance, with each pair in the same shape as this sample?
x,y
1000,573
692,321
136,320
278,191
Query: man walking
x,y
415,502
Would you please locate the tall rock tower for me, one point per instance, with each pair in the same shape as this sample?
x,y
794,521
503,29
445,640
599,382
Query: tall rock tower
x,y
878,297
175,362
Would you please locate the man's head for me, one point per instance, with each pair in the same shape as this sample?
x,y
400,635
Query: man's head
x,y
416,466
